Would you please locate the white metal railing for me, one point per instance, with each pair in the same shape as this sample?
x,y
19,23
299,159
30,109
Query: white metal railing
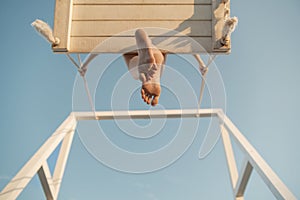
x,y
64,135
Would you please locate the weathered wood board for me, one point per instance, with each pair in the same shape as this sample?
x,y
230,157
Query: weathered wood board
x,y
176,26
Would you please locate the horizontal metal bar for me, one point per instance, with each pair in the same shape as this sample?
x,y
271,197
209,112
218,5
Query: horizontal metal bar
x,y
145,114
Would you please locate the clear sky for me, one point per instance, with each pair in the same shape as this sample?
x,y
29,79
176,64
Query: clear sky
x,y
261,80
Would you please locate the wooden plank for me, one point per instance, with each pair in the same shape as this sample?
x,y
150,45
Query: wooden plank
x,y
62,23
93,20
127,44
141,12
277,187
104,28
145,114
233,172
243,179
120,2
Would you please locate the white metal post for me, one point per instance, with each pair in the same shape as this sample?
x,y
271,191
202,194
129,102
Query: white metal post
x,y
62,161
46,181
277,187
37,164
243,179
233,172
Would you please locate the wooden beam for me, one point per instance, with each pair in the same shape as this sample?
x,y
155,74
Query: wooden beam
x,y
142,12
160,2
277,187
103,28
62,24
243,179
122,44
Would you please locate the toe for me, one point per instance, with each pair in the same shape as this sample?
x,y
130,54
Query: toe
x,y
155,101
149,99
146,98
143,93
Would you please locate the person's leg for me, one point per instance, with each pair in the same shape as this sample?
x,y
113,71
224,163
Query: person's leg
x,y
146,65
132,60
150,64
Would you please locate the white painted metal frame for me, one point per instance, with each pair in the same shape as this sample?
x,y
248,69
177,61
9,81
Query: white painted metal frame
x,y
252,161
64,135
38,164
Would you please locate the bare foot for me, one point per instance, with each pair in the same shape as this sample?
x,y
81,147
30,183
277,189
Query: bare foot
x,y
150,65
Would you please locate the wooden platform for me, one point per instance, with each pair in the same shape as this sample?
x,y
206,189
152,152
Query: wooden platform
x,y
174,26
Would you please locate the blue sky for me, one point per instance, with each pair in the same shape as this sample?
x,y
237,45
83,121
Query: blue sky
x,y
261,78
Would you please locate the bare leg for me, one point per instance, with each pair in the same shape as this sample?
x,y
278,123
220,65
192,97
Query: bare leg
x,y
146,65
150,64
132,60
